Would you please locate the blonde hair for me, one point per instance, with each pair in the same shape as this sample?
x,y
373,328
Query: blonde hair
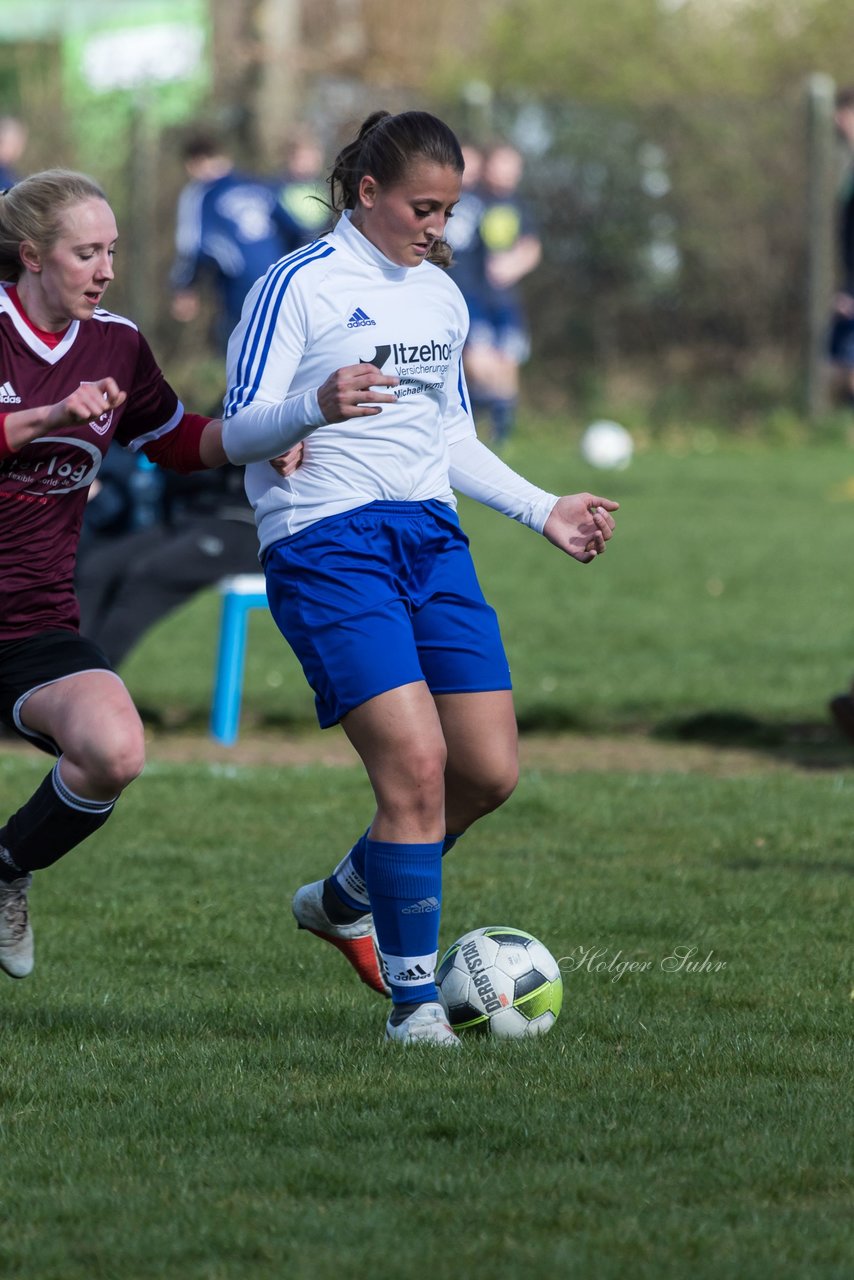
x,y
32,210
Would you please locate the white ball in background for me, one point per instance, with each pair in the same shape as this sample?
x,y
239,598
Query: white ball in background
x,y
607,445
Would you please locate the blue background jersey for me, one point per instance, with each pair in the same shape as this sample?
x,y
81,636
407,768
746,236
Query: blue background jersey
x,y
233,228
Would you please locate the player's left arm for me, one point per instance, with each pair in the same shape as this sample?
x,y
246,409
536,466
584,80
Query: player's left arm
x,y
579,524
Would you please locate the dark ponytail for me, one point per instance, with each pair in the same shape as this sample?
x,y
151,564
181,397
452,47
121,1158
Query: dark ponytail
x,y
385,148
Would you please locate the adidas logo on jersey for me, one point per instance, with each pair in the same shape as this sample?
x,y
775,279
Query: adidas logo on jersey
x,y
359,320
8,394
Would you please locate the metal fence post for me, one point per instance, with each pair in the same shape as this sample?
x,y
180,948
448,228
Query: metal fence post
x,y
821,201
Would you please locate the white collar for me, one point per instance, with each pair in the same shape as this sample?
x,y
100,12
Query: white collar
x,y
51,355
366,250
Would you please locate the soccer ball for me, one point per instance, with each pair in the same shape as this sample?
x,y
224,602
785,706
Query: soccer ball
x,y
607,445
500,982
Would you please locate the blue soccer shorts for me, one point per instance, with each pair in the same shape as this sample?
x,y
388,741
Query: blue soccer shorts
x,y
383,596
501,326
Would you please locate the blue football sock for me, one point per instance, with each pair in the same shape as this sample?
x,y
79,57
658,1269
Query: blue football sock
x,y
405,887
348,878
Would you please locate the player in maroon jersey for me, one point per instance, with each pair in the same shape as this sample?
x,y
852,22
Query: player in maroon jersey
x,y
73,377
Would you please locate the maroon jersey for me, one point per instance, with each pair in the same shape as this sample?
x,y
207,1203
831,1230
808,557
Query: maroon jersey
x,y
43,487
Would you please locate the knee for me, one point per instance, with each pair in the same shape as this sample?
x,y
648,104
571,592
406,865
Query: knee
x,y
509,781
426,776
491,790
502,786
112,764
417,784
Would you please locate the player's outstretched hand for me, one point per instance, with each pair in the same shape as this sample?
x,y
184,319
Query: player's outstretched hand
x,y
287,462
86,404
581,524
347,393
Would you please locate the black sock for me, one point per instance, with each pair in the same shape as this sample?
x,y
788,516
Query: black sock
x,y
51,823
9,869
339,912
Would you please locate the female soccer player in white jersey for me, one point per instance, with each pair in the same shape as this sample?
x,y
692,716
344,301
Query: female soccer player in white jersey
x,y
353,345
73,377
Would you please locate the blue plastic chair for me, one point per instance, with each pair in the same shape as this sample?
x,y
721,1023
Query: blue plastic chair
x,y
240,593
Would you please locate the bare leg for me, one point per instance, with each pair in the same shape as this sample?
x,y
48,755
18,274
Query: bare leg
x,y
424,788
92,718
399,738
483,762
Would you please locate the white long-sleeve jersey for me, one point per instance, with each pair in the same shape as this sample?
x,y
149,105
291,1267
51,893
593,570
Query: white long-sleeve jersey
x,y
339,301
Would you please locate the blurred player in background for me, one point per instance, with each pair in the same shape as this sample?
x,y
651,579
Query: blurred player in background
x,y
463,232
841,342
355,347
14,136
76,379
230,228
499,341
302,194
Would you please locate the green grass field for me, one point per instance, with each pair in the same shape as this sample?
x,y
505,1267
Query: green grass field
x,y
726,590
191,1089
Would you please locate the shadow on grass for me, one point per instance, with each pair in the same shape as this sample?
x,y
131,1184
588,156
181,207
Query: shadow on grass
x,y
545,717
187,719
810,744
776,865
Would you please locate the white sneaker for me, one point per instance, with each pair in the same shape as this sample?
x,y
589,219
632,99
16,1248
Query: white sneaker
x,y
427,1024
16,935
356,941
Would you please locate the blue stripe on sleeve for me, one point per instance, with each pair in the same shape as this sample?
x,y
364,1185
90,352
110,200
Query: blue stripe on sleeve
x,y
259,312
262,323
460,388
